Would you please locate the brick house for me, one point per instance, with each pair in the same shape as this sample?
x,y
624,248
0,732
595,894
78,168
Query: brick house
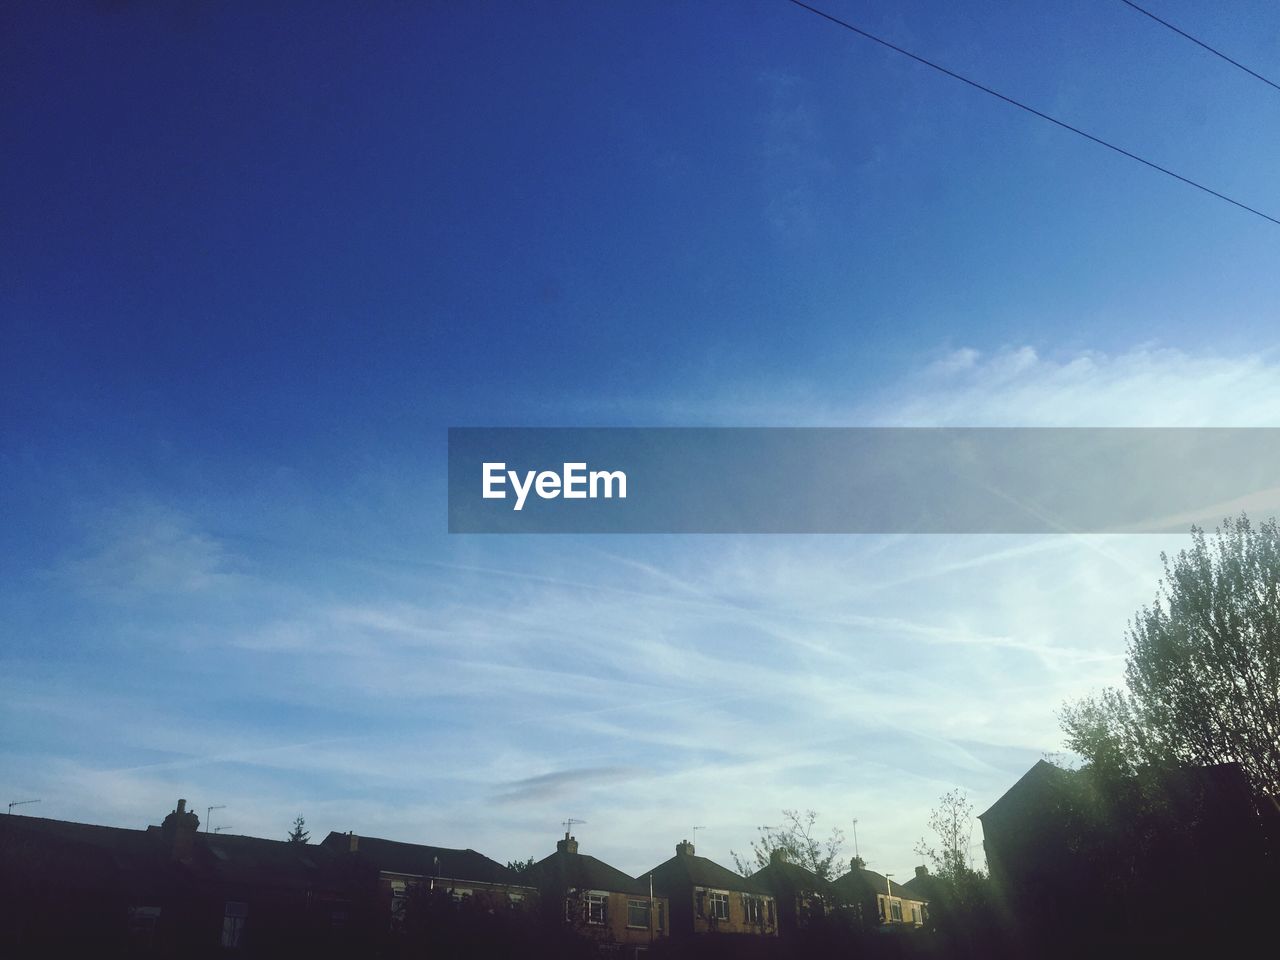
x,y
465,875
600,901
707,898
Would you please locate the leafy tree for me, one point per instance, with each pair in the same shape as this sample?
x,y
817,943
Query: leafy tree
x,y
798,837
521,867
299,833
1202,666
952,825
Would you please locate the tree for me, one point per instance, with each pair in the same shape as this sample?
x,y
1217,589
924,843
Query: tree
x,y
521,868
952,825
299,833
1202,666
960,904
797,837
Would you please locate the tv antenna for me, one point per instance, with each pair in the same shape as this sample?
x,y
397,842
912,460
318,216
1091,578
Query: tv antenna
x,y
20,803
220,829
855,838
695,830
208,814
568,824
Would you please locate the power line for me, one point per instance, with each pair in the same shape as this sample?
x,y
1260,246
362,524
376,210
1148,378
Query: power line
x,y
1200,43
1032,110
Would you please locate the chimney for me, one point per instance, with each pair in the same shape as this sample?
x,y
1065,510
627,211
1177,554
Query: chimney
x,y
922,871
353,842
567,845
179,831
778,856
684,848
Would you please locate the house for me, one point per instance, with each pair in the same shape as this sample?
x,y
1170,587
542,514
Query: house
x,y
399,868
1145,860
75,887
921,888
800,894
600,901
878,899
708,898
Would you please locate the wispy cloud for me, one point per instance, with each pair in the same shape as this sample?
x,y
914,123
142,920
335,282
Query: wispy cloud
x,y
148,550
552,786
481,693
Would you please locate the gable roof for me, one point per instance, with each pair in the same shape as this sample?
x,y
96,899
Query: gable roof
x,y
117,855
256,861
1043,776
782,877
856,882
688,870
563,870
421,860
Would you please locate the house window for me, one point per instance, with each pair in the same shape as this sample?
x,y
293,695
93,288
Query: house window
x,y
142,923
753,907
234,916
597,908
662,915
895,910
719,906
399,896
516,900
638,913
915,914
880,904
771,920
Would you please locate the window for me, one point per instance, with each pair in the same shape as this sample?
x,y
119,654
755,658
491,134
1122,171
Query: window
x,y
754,909
399,896
880,904
638,913
597,908
142,924
895,910
915,914
771,920
719,906
662,915
234,916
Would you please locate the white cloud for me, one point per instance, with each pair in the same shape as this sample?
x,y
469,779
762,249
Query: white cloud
x,y
1145,387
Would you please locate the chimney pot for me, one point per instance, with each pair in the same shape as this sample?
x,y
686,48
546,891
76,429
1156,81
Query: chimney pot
x,y
922,871
567,845
684,848
179,831
353,842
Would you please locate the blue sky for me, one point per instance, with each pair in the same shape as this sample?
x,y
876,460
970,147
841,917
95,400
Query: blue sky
x,y
254,263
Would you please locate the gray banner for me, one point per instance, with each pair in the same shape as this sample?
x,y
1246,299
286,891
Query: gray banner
x,y
857,480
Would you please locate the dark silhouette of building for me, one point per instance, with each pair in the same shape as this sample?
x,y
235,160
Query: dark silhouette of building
x,y
168,890
1160,859
707,898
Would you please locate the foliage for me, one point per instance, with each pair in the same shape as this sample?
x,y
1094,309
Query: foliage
x,y
299,833
521,868
1202,666
798,838
952,825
